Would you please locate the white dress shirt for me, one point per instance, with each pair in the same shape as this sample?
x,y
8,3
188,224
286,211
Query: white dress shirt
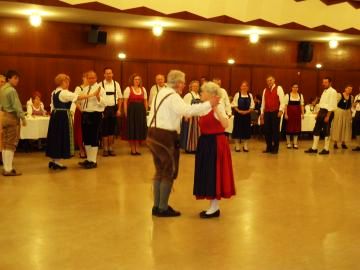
x,y
280,93
173,109
92,104
235,100
188,97
225,100
153,91
109,88
328,100
64,96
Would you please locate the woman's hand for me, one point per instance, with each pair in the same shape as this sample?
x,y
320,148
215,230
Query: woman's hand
x,y
286,117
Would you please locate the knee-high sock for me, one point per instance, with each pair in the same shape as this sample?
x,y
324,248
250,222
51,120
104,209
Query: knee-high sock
x,y
92,154
156,190
237,144
327,143
288,139
88,150
246,144
214,206
8,157
315,142
165,190
296,139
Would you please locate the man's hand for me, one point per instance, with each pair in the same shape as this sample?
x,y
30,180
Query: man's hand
x,y
286,117
118,113
280,113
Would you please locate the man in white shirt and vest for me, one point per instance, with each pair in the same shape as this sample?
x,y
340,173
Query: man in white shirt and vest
x,y
166,112
272,108
92,110
159,84
328,104
111,112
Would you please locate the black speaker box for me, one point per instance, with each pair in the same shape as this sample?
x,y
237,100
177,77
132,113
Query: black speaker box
x,y
97,37
305,52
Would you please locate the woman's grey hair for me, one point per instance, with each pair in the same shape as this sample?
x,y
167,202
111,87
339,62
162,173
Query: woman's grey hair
x,y
211,88
175,76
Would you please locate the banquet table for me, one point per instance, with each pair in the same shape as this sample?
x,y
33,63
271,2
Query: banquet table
x,y
36,128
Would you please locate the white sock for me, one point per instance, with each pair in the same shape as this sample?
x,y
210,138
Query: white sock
x,y
8,157
57,161
296,139
214,206
288,139
246,145
315,142
327,143
88,150
93,154
237,144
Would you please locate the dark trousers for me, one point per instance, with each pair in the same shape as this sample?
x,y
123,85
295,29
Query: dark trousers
x,y
272,130
91,122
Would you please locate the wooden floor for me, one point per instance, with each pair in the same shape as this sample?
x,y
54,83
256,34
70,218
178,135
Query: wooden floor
x,y
292,212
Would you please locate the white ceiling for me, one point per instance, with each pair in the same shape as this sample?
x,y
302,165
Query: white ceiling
x,y
75,15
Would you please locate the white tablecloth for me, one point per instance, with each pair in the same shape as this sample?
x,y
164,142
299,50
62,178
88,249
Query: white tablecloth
x,y
36,128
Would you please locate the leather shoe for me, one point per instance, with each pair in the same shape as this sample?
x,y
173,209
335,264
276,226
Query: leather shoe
x,y
213,215
90,165
324,152
356,149
311,151
155,211
13,172
170,212
83,163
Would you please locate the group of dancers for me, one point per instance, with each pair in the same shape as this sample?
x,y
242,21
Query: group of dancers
x,y
197,123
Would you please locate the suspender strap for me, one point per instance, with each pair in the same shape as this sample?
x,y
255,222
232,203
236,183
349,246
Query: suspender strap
x,y
156,109
103,85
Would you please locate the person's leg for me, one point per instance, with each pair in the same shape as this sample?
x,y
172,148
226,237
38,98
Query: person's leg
x,y
246,146
267,131
156,191
105,142
327,143
295,138
10,141
214,206
237,145
275,131
165,190
288,140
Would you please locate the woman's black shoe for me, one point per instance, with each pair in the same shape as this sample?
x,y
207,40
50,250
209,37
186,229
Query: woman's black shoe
x,y
311,151
324,152
51,165
343,146
213,215
83,163
336,146
245,150
55,166
170,212
137,154
356,149
90,165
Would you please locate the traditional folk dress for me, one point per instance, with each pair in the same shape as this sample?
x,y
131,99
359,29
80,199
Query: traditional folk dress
x,y
341,130
357,116
214,177
136,127
242,123
293,123
190,130
60,138
78,139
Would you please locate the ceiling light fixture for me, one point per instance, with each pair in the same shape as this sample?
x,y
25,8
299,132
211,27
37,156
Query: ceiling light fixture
x,y
333,44
35,19
231,61
318,66
157,30
122,55
254,37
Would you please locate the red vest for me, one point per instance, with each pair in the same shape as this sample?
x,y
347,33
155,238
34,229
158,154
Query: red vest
x,y
272,101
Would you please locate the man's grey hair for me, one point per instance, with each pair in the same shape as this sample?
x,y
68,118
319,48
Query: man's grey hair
x,y
175,76
211,88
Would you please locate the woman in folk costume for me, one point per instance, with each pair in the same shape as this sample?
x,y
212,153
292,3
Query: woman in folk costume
x,y
243,104
60,144
78,139
135,106
356,108
213,178
294,112
341,130
190,130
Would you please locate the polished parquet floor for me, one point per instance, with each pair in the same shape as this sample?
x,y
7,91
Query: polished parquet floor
x,y
292,212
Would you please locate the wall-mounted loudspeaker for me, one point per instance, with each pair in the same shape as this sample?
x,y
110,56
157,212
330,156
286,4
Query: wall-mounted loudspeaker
x,y
95,36
305,52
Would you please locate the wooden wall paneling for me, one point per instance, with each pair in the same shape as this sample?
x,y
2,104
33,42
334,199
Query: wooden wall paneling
x,y
222,72
239,74
308,84
342,78
129,68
